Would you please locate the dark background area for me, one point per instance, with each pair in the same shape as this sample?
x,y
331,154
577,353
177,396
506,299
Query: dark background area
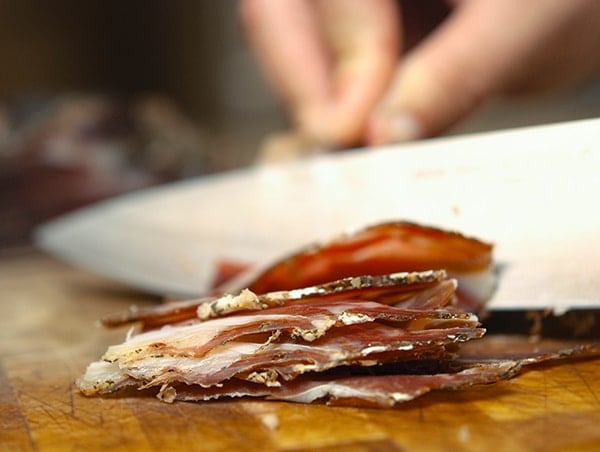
x,y
101,98
190,51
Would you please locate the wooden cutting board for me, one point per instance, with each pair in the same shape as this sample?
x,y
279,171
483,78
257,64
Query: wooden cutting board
x,y
48,335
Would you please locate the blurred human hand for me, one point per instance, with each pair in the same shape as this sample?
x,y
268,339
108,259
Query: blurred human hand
x,y
338,68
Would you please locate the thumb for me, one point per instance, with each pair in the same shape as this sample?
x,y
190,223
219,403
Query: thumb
x,y
468,59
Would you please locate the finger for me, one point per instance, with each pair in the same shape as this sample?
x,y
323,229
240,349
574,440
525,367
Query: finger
x,y
363,38
470,58
286,39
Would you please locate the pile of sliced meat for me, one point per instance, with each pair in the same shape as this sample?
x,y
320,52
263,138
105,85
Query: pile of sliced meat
x,y
314,327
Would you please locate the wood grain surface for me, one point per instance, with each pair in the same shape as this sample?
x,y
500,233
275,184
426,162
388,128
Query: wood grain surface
x,y
48,335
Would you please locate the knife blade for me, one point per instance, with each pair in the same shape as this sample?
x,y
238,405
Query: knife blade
x,y
533,192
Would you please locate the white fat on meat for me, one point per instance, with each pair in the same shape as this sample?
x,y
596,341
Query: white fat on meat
x,y
199,334
246,300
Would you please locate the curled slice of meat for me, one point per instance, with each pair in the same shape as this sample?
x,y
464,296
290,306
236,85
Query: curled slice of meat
x,y
275,363
412,290
381,391
480,362
172,348
398,257
382,249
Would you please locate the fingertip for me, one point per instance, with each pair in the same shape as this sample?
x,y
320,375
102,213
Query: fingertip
x,y
312,121
393,128
443,79
324,124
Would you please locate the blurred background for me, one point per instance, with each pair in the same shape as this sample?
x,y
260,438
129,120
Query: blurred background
x,y
190,51
99,98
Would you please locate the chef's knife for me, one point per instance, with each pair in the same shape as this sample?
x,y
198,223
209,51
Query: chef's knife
x,y
533,192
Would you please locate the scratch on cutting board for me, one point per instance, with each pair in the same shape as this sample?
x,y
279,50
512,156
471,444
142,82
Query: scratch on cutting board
x,y
545,393
71,403
9,394
587,385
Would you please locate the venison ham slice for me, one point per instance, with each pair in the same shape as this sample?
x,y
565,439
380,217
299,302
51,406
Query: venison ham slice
x,y
357,321
275,345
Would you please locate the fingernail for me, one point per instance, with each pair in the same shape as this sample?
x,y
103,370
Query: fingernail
x,y
394,128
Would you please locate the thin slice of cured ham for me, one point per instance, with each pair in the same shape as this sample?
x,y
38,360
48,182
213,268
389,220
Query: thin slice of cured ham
x,y
378,250
382,391
483,362
274,364
405,250
281,343
360,320
315,344
412,290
